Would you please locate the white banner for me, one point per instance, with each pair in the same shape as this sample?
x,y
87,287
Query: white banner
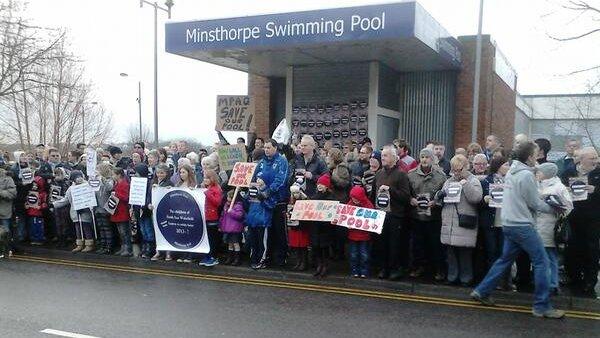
x,y
179,222
91,161
83,197
137,191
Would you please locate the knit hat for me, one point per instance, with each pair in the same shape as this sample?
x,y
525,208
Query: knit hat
x,y
114,150
548,169
426,152
325,180
75,174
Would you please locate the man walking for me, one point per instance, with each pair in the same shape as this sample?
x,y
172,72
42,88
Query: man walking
x,y
521,201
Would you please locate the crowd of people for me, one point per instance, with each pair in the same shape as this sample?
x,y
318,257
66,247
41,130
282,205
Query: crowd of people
x,y
426,234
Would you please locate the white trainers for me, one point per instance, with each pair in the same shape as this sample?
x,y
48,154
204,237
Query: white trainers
x,y
552,313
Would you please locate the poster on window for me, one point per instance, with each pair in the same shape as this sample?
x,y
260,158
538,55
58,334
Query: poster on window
x,y
179,221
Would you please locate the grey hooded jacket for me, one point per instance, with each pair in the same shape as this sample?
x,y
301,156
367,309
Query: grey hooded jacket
x,y
521,199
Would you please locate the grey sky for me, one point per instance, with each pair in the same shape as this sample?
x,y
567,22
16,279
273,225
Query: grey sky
x,y
115,36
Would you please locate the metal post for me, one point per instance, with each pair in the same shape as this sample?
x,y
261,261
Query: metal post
x,y
477,75
83,123
155,76
140,107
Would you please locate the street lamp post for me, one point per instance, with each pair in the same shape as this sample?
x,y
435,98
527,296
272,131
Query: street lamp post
x,y
139,101
169,4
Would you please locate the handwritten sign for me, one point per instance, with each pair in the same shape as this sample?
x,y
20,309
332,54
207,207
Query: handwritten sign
x,y
137,191
230,154
83,197
314,210
354,217
496,195
91,161
242,174
235,113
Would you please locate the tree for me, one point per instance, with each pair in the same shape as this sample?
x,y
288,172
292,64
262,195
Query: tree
x,y
133,133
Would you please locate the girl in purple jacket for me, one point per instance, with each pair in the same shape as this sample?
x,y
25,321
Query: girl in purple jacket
x,y
231,225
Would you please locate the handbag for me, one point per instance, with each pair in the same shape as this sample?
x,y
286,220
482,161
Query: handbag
x,y
466,221
562,230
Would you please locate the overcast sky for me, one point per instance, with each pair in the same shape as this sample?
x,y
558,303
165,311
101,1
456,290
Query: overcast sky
x,y
115,36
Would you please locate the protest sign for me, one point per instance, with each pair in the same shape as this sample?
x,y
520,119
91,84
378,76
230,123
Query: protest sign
x,y
423,208
26,176
383,200
496,195
179,221
577,186
288,217
83,197
453,192
111,204
137,191
314,210
235,113
91,161
94,183
55,192
230,154
242,174
353,217
33,200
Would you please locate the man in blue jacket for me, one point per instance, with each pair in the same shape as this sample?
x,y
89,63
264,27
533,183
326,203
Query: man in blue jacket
x,y
520,203
271,178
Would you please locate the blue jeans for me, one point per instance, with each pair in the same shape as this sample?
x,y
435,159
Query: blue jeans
x,y
553,270
517,238
359,257
147,229
36,229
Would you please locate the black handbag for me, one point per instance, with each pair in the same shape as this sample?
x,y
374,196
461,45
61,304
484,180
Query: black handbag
x,y
466,221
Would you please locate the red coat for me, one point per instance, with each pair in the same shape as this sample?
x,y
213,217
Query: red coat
x,y
360,194
42,202
407,163
121,191
214,196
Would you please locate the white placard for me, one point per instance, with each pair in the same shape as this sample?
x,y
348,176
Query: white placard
x,y
453,191
91,161
578,188
94,183
83,197
137,191
496,195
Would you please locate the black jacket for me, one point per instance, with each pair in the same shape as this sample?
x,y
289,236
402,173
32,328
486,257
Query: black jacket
x,y
399,185
588,210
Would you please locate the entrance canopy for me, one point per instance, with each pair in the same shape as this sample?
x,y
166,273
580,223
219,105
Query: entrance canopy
x,y
402,35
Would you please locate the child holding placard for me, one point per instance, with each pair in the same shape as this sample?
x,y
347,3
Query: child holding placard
x,y
121,215
162,179
82,219
105,227
143,214
231,225
322,233
35,205
62,221
359,239
186,179
214,195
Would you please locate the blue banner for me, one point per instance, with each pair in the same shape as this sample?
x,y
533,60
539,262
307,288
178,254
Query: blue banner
x,y
293,29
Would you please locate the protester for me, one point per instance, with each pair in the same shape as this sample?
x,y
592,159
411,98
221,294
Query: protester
x,y
393,243
567,162
425,216
304,171
583,249
368,179
439,150
35,205
322,233
550,186
459,221
492,142
8,193
21,218
472,150
405,161
82,219
520,203
121,215
142,215
62,220
162,179
358,168
490,225
480,166
359,240
544,148
213,197
231,224
105,227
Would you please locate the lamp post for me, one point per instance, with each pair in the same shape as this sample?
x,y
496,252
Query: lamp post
x,y
139,101
169,4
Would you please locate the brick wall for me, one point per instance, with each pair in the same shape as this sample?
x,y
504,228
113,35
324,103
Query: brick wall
x,y
258,89
496,99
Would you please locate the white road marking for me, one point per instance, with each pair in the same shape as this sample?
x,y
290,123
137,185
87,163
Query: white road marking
x,y
66,334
